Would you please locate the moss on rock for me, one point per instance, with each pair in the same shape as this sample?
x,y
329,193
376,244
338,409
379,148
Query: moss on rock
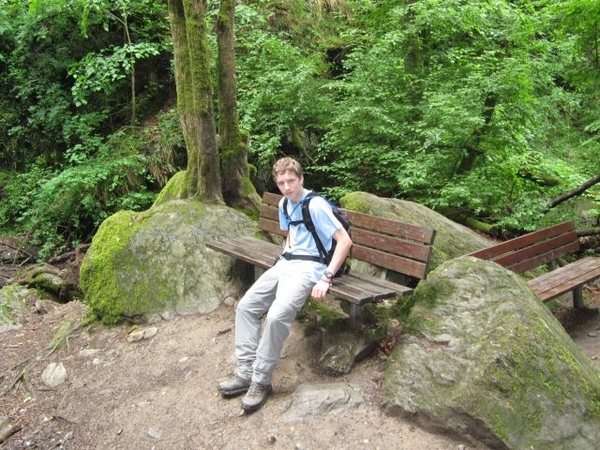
x,y
145,263
481,355
106,260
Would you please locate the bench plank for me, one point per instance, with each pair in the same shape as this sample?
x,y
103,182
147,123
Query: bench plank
x,y
565,279
533,249
497,250
407,266
355,288
248,249
540,247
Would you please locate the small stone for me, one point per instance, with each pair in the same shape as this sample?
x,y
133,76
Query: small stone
x,y
155,433
154,318
168,315
54,374
142,333
229,301
88,352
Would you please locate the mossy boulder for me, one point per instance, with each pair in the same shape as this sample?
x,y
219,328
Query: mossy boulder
x,y
481,356
157,260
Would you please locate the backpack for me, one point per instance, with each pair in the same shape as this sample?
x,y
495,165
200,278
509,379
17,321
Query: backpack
x,y
341,216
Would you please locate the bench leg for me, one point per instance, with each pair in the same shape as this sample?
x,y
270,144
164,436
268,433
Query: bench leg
x,y
357,316
577,298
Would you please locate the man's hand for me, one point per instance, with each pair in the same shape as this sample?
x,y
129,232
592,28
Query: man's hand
x,y
319,290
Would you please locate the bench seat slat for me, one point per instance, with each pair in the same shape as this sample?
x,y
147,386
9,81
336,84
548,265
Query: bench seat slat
x,y
357,289
565,279
248,249
360,288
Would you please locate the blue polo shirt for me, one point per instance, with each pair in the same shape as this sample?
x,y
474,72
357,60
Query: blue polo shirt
x,y
301,241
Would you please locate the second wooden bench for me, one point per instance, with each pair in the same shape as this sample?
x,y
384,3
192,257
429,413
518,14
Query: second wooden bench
x,y
388,244
546,246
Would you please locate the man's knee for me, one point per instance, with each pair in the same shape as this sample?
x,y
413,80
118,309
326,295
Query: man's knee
x,y
281,314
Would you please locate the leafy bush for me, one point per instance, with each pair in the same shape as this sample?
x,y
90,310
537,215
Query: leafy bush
x,y
64,208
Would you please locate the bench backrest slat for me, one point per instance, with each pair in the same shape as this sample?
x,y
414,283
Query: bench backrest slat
x,y
387,243
533,249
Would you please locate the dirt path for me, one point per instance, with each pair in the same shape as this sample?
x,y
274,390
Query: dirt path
x,y
160,392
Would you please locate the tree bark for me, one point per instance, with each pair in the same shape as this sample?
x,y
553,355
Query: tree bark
x,y
233,151
473,148
194,100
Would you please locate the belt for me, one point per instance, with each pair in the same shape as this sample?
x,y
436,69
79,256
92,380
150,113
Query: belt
x,y
291,257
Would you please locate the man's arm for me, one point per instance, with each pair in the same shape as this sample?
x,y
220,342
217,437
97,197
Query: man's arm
x,y
342,248
286,241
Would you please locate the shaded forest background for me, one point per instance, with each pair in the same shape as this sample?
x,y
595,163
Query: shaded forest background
x,y
486,111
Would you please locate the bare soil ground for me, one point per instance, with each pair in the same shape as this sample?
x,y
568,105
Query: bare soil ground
x,y
160,392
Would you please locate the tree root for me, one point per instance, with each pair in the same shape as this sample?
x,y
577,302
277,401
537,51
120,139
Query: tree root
x,y
7,430
65,330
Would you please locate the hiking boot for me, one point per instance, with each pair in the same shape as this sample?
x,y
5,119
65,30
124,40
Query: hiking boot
x,y
256,396
234,386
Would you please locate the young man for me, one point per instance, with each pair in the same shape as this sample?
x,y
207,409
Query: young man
x,y
283,289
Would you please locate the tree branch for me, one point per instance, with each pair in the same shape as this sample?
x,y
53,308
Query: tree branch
x,y
572,193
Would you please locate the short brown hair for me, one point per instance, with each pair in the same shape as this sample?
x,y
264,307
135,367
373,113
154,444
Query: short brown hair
x,y
286,164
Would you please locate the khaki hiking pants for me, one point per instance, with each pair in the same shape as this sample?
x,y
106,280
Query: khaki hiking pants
x,y
280,292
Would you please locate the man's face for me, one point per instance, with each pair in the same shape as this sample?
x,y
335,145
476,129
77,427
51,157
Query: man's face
x,y
291,185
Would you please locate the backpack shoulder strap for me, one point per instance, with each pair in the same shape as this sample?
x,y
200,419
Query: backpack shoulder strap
x,y
304,213
310,226
285,211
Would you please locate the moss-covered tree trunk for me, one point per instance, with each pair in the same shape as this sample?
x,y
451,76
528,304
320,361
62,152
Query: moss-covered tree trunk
x,y
237,189
194,100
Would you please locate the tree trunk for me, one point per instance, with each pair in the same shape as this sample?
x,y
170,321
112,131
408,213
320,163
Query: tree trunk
x,y
194,100
233,151
473,145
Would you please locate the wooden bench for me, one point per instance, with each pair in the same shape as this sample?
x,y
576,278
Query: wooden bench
x,y
546,246
389,244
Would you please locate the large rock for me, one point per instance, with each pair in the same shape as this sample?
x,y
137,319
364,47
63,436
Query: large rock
x,y
155,261
481,356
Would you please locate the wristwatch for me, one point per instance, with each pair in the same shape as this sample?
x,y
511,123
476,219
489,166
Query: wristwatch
x,y
328,274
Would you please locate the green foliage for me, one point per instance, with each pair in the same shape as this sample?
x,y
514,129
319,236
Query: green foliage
x,y
283,103
42,42
67,206
279,87
445,102
17,196
481,108
98,72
